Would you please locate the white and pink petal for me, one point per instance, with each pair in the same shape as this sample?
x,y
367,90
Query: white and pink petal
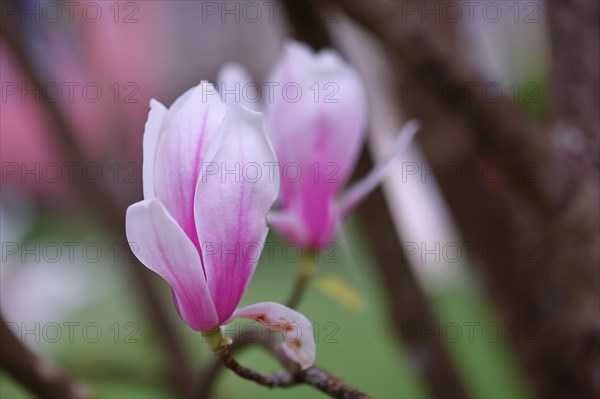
x,y
298,337
161,245
237,87
320,135
362,188
233,196
189,127
152,132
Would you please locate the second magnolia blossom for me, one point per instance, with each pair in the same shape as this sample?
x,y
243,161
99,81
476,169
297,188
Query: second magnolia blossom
x,y
317,123
185,208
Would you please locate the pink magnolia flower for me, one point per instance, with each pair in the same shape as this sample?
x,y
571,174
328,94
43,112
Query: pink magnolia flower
x,y
316,118
194,226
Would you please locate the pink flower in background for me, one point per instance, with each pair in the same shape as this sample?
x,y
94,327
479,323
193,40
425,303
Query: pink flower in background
x,y
195,224
100,73
318,133
25,127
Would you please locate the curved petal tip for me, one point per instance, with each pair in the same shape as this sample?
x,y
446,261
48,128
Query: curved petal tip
x,y
299,344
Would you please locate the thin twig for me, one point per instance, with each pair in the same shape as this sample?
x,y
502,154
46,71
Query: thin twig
x,y
279,379
314,376
330,384
305,274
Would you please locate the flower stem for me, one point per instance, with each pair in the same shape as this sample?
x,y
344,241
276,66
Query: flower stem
x,y
216,340
305,274
280,379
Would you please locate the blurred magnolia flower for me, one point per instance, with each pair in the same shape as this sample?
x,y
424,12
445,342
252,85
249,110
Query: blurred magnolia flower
x,y
316,119
25,131
193,227
94,64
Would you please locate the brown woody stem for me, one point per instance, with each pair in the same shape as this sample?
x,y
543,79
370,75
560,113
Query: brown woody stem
x,y
316,377
305,274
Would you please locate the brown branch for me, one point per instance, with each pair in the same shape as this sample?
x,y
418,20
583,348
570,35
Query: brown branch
x,y
316,377
313,376
98,198
306,23
329,384
280,379
40,377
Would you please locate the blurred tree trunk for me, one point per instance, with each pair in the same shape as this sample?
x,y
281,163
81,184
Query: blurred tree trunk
x,y
39,376
408,305
407,302
574,79
542,215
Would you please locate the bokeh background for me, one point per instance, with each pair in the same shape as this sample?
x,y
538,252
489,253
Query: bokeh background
x,y
473,272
